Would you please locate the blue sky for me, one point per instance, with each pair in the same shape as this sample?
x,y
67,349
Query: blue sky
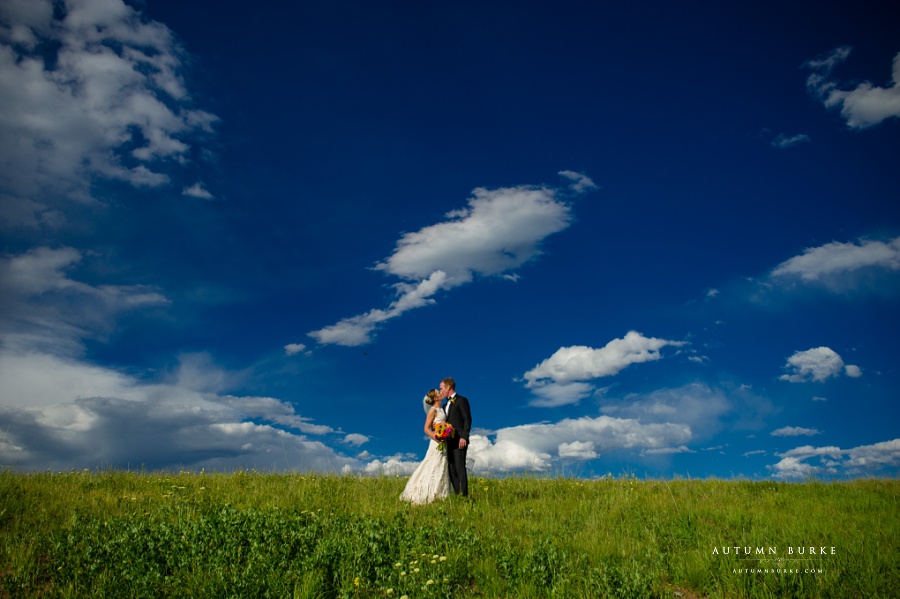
x,y
647,238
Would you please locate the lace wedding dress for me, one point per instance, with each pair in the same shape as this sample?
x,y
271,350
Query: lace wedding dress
x,y
431,480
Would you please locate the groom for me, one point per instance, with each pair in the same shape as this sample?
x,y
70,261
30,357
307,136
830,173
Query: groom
x,y
459,416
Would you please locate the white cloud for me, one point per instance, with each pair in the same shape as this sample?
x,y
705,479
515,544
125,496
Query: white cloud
x,y
826,264
792,467
109,102
535,447
867,460
853,371
697,406
356,439
393,466
866,457
863,106
35,380
661,423
292,349
580,182
794,431
552,395
197,191
817,364
559,379
498,232
582,450
357,330
786,141
59,413
274,411
42,307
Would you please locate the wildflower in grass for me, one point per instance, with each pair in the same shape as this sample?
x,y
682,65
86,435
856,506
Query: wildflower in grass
x,y
398,565
443,558
389,592
429,583
356,581
416,571
404,596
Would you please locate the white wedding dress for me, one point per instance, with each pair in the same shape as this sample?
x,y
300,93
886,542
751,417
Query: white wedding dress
x,y
431,480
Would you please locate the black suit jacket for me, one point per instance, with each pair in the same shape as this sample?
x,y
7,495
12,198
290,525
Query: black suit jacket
x,y
459,416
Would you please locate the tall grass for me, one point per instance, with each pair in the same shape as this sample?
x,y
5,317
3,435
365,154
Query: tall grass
x,y
247,534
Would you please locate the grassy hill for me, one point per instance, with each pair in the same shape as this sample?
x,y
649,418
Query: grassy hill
x,y
247,534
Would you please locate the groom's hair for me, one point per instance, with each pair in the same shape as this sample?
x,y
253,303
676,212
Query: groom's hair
x,y
450,383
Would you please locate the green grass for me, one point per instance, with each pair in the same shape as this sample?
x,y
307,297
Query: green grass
x,y
247,534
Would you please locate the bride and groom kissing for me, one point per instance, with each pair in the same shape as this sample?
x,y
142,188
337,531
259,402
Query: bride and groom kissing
x,y
443,470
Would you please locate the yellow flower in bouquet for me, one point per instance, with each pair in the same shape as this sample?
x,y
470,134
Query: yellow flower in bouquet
x,y
443,431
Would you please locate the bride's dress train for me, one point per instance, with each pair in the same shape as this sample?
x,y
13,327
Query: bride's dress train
x,y
431,479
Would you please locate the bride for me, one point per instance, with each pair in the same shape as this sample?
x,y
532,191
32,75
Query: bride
x,y
431,480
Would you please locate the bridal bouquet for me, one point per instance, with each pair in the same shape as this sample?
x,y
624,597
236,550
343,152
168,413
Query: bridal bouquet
x,y
443,431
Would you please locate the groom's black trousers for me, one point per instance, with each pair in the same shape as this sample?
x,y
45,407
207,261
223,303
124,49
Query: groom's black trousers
x,y
456,463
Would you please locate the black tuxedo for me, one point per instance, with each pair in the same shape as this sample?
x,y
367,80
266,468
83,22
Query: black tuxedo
x,y
460,417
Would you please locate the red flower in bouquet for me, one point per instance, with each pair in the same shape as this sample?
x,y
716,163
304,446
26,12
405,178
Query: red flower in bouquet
x,y
443,431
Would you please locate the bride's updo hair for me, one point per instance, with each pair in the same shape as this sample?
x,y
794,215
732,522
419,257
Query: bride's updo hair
x,y
431,397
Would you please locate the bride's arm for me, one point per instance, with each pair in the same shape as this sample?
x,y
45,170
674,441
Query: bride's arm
x,y
429,421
